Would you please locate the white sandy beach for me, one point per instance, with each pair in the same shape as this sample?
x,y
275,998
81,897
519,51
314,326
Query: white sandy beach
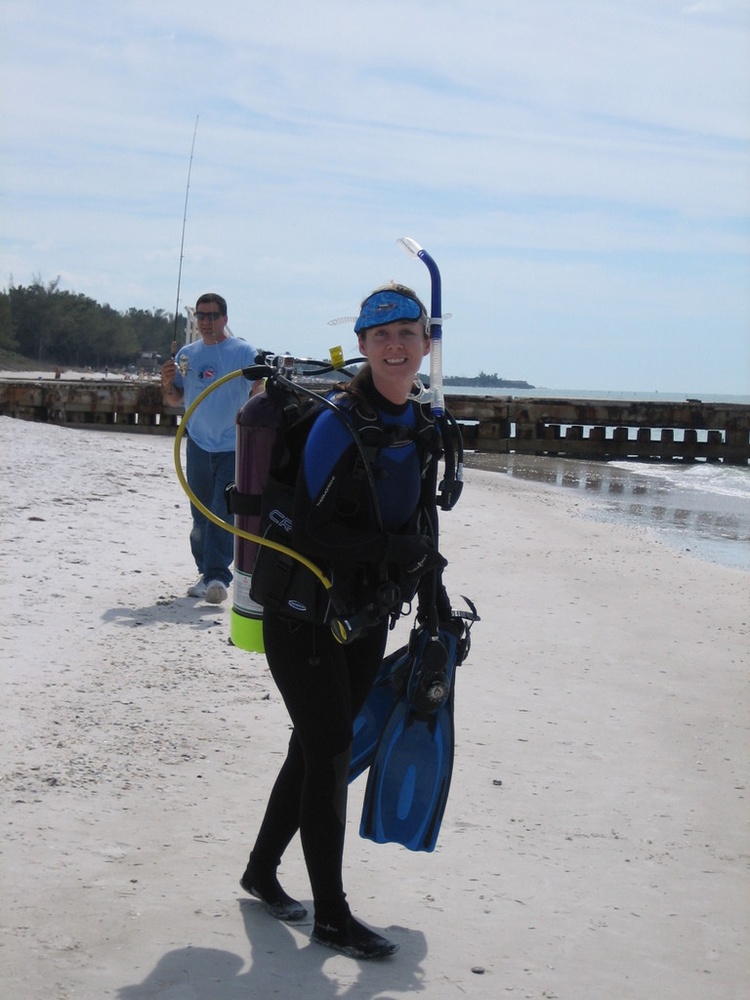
x,y
595,844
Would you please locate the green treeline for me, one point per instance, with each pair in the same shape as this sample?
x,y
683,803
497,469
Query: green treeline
x,y
485,381
53,327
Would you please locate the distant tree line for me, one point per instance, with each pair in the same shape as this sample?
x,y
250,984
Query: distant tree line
x,y
51,326
483,380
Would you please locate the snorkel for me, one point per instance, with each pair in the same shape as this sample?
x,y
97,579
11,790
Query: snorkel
x,y
435,392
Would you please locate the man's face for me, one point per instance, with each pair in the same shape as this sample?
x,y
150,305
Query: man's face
x,y
211,323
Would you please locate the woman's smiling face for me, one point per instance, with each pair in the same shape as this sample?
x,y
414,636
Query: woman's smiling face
x,y
395,352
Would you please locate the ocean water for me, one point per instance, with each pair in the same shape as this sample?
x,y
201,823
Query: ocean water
x,y
700,507
639,397
697,507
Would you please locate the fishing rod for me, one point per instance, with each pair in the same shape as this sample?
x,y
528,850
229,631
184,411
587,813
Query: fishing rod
x,y
182,241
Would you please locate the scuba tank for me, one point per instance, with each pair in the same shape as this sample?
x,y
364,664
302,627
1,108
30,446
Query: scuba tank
x,y
258,423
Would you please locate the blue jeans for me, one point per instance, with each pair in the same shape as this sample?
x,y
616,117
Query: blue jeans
x,y
208,474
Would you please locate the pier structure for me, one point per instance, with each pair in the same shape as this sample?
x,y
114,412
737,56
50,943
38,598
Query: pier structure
x,y
97,404
605,429
690,430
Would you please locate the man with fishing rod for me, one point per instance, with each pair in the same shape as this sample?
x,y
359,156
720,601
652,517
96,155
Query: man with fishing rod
x,y
211,435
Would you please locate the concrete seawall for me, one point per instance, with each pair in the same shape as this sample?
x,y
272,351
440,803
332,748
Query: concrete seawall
x,y
595,429
604,429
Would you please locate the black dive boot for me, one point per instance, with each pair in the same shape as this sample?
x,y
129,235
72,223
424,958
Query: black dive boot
x,y
353,938
264,885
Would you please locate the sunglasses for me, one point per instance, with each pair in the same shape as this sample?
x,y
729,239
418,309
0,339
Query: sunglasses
x,y
212,316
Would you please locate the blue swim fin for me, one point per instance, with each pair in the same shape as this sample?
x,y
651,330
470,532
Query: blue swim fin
x,y
369,724
410,774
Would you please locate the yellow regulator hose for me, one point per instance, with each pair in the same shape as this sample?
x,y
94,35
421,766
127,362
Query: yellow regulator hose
x,y
226,525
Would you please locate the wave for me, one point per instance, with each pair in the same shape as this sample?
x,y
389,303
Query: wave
x,y
718,479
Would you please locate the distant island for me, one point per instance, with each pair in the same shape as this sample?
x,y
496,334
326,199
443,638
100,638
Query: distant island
x,y
485,381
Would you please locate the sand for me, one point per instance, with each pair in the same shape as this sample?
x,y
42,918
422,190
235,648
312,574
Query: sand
x,y
595,844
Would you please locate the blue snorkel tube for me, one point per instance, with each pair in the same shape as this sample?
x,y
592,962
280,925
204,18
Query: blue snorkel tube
x,y
435,392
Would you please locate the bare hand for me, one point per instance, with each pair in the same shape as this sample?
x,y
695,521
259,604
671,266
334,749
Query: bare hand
x,y
171,395
168,372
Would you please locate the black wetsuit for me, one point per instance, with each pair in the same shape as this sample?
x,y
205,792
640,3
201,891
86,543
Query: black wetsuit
x,y
324,684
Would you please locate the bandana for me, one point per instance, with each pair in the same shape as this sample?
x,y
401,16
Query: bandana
x,y
387,307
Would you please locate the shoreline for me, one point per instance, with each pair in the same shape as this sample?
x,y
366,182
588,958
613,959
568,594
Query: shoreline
x,y
692,507
594,835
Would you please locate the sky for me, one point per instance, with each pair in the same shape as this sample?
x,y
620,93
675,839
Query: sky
x,y
578,169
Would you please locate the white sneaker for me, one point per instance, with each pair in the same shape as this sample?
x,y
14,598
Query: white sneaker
x,y
215,592
198,589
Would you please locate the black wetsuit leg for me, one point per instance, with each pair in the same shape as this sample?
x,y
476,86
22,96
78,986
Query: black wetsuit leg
x,y
324,685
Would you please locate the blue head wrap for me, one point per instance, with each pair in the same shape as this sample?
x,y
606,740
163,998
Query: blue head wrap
x,y
387,307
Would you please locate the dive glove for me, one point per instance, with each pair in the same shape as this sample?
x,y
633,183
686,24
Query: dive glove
x,y
414,555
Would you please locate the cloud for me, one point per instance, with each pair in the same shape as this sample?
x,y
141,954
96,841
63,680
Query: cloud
x,y
551,155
